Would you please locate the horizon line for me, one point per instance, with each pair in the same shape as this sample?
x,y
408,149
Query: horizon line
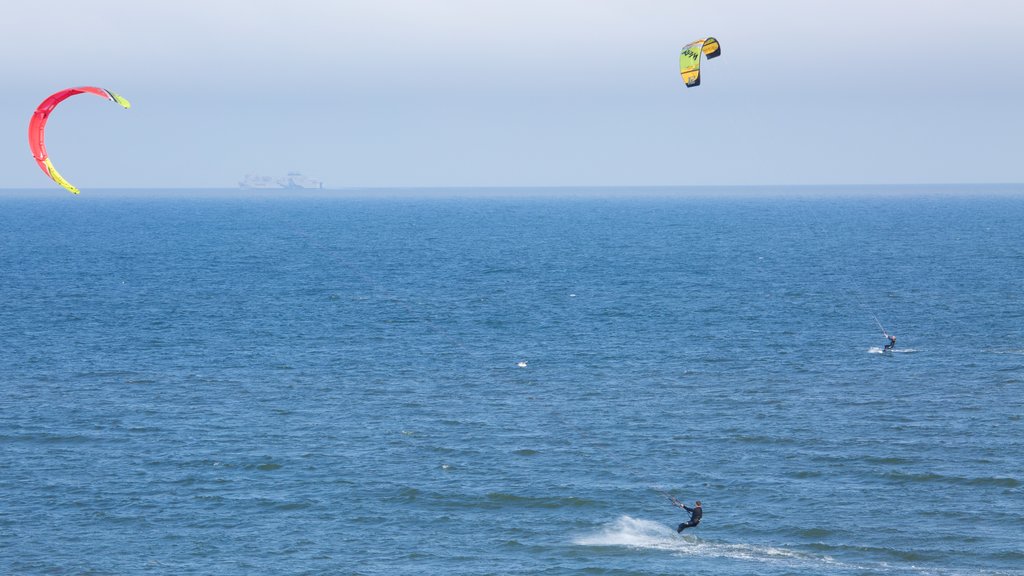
x,y
529,186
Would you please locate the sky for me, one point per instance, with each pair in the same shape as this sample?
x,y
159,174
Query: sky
x,y
424,93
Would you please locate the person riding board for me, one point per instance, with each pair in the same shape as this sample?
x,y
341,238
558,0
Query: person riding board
x,y
695,515
892,342
892,339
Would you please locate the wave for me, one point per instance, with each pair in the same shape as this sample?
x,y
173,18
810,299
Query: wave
x,y
55,438
646,534
502,499
924,477
642,534
493,500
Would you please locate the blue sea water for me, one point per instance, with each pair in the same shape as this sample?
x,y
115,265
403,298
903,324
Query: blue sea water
x,y
501,385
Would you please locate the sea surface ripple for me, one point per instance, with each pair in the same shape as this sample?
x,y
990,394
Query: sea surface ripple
x,y
502,385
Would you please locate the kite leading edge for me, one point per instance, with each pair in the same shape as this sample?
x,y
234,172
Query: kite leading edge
x,y
689,59
37,127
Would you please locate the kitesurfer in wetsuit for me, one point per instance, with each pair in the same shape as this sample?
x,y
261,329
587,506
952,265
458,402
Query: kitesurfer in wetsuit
x,y
892,342
695,514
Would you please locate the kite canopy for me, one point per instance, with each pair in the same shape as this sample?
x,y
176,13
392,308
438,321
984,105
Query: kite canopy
x,y
689,59
37,128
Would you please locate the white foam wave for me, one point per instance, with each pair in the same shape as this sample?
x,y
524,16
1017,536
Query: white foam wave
x,y
642,534
631,532
646,534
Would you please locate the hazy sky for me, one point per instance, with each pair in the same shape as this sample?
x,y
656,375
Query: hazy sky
x,y
516,92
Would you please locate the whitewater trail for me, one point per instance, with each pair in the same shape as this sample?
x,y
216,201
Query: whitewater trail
x,y
638,533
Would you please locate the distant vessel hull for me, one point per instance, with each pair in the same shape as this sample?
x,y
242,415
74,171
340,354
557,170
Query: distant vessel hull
x,y
292,181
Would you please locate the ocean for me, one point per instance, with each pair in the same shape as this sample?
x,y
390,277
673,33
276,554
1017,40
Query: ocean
x,y
507,381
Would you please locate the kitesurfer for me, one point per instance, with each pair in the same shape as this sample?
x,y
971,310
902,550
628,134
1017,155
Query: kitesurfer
x,y
892,342
695,515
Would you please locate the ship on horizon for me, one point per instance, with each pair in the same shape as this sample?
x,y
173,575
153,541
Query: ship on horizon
x,y
291,181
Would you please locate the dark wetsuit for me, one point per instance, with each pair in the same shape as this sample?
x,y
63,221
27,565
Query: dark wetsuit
x,y
695,515
891,344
